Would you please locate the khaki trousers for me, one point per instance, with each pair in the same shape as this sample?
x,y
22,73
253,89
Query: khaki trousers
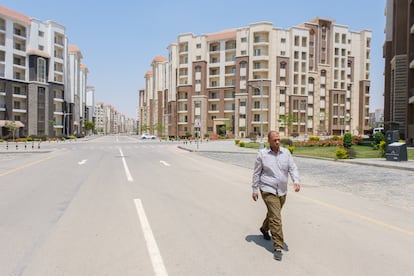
x,y
273,220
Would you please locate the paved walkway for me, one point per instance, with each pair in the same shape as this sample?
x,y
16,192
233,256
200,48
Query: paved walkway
x,y
228,146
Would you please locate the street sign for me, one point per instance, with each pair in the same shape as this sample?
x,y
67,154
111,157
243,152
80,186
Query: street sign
x,y
197,123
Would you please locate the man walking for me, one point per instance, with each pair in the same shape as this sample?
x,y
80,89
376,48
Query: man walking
x,y
270,176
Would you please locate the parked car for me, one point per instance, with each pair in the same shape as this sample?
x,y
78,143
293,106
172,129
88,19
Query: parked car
x,y
148,136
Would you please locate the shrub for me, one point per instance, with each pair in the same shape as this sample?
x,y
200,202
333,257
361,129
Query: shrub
x,y
347,140
237,141
286,142
291,149
242,144
341,154
379,136
314,138
382,146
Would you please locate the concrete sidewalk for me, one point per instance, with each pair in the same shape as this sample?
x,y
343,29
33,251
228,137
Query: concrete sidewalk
x,y
229,146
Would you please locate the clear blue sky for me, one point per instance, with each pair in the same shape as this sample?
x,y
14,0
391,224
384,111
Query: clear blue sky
x,y
119,39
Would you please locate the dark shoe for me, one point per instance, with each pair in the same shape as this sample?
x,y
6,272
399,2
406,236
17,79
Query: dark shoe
x,y
277,254
265,233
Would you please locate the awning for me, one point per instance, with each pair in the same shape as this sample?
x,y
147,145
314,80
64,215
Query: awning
x,y
4,123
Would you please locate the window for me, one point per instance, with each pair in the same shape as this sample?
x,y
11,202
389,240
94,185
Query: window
x,y
214,107
256,104
243,65
242,103
304,42
198,69
198,45
41,47
283,53
296,40
243,52
16,105
41,70
198,57
41,34
256,117
243,39
283,40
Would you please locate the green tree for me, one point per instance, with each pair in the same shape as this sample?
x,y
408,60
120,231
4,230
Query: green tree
x,y
159,128
286,121
11,126
144,128
88,126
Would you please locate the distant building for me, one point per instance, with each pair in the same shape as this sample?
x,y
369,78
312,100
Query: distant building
x,y
109,121
399,68
376,118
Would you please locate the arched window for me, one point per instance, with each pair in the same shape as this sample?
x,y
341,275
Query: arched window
x,y
41,70
198,69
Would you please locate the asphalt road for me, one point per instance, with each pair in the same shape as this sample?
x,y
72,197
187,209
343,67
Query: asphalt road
x,y
123,206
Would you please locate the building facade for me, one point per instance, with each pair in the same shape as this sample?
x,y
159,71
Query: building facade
x,y
398,53
42,80
310,79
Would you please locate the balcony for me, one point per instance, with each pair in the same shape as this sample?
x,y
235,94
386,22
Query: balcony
x,y
19,110
20,96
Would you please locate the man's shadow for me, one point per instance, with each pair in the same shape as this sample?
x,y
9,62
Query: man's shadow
x,y
266,244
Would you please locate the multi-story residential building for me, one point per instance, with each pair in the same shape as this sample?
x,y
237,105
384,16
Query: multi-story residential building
x,y
399,68
43,84
76,90
32,69
307,80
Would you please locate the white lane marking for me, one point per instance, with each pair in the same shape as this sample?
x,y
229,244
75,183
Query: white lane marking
x,y
128,174
154,252
164,163
82,162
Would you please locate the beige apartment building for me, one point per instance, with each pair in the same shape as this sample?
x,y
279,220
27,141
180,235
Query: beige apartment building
x,y
311,79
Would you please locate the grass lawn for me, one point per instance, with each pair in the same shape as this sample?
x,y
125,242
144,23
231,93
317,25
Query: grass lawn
x,y
329,152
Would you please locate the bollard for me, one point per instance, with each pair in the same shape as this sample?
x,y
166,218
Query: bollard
x,y
17,146
38,146
7,145
32,144
25,145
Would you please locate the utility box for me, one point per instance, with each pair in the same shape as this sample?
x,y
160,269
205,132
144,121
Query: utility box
x,y
396,152
392,136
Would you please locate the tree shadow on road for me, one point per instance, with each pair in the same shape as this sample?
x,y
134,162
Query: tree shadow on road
x,y
268,245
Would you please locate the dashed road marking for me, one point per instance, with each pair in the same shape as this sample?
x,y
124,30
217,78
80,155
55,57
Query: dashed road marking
x,y
154,252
